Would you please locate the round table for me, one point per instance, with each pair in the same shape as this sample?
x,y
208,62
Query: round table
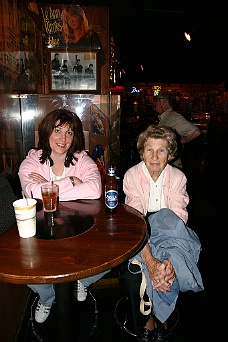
x,y
109,240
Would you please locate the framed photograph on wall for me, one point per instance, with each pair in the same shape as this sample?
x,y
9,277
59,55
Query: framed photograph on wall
x,y
74,71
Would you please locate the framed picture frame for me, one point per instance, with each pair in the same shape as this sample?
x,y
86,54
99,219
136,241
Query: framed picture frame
x,y
75,71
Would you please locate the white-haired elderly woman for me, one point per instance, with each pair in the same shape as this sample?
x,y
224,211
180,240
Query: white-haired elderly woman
x,y
153,278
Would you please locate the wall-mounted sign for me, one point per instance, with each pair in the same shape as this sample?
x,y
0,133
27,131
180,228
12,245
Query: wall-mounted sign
x,y
135,90
155,90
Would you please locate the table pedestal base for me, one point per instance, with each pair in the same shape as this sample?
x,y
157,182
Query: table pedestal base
x,y
64,313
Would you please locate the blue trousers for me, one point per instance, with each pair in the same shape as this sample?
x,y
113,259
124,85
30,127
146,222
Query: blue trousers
x,y
47,291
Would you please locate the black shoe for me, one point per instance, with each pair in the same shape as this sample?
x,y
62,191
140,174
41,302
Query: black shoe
x,y
146,335
162,336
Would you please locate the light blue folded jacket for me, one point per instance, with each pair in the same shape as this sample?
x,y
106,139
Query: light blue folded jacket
x,y
172,239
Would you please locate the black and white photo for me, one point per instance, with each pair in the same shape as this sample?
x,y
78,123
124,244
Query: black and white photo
x,y
74,71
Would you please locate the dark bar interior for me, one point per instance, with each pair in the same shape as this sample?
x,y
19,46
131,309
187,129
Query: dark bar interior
x,y
115,106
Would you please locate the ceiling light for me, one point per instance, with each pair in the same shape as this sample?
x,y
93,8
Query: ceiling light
x,y
187,36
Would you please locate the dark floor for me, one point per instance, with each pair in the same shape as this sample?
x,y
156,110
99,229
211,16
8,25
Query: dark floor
x,y
199,316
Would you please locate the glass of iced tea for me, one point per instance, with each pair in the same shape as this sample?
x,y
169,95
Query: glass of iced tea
x,y
50,193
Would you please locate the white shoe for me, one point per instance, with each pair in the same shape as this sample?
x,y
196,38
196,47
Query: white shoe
x,y
42,312
80,291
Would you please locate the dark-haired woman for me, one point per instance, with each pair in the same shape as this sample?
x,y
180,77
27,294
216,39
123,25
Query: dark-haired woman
x,y
60,157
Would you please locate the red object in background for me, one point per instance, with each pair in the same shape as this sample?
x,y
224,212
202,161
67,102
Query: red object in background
x,y
117,90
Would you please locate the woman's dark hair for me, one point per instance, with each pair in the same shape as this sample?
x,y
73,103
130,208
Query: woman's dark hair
x,y
48,124
158,132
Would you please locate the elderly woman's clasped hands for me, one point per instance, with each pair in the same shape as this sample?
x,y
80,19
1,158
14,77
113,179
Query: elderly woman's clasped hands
x,y
162,275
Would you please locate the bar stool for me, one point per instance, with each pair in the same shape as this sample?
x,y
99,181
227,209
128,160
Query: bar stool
x,y
122,313
123,317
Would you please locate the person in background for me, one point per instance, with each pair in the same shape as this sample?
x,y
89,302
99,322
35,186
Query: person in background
x,y
64,67
77,32
89,71
7,197
78,67
152,278
60,157
55,63
186,130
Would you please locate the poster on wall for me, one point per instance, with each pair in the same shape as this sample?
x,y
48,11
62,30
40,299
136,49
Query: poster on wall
x,y
71,27
30,53
9,34
1,35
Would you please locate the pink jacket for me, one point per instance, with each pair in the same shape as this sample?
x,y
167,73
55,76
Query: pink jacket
x,y
136,187
85,169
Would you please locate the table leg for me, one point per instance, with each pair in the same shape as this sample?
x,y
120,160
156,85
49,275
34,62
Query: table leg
x,y
64,312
